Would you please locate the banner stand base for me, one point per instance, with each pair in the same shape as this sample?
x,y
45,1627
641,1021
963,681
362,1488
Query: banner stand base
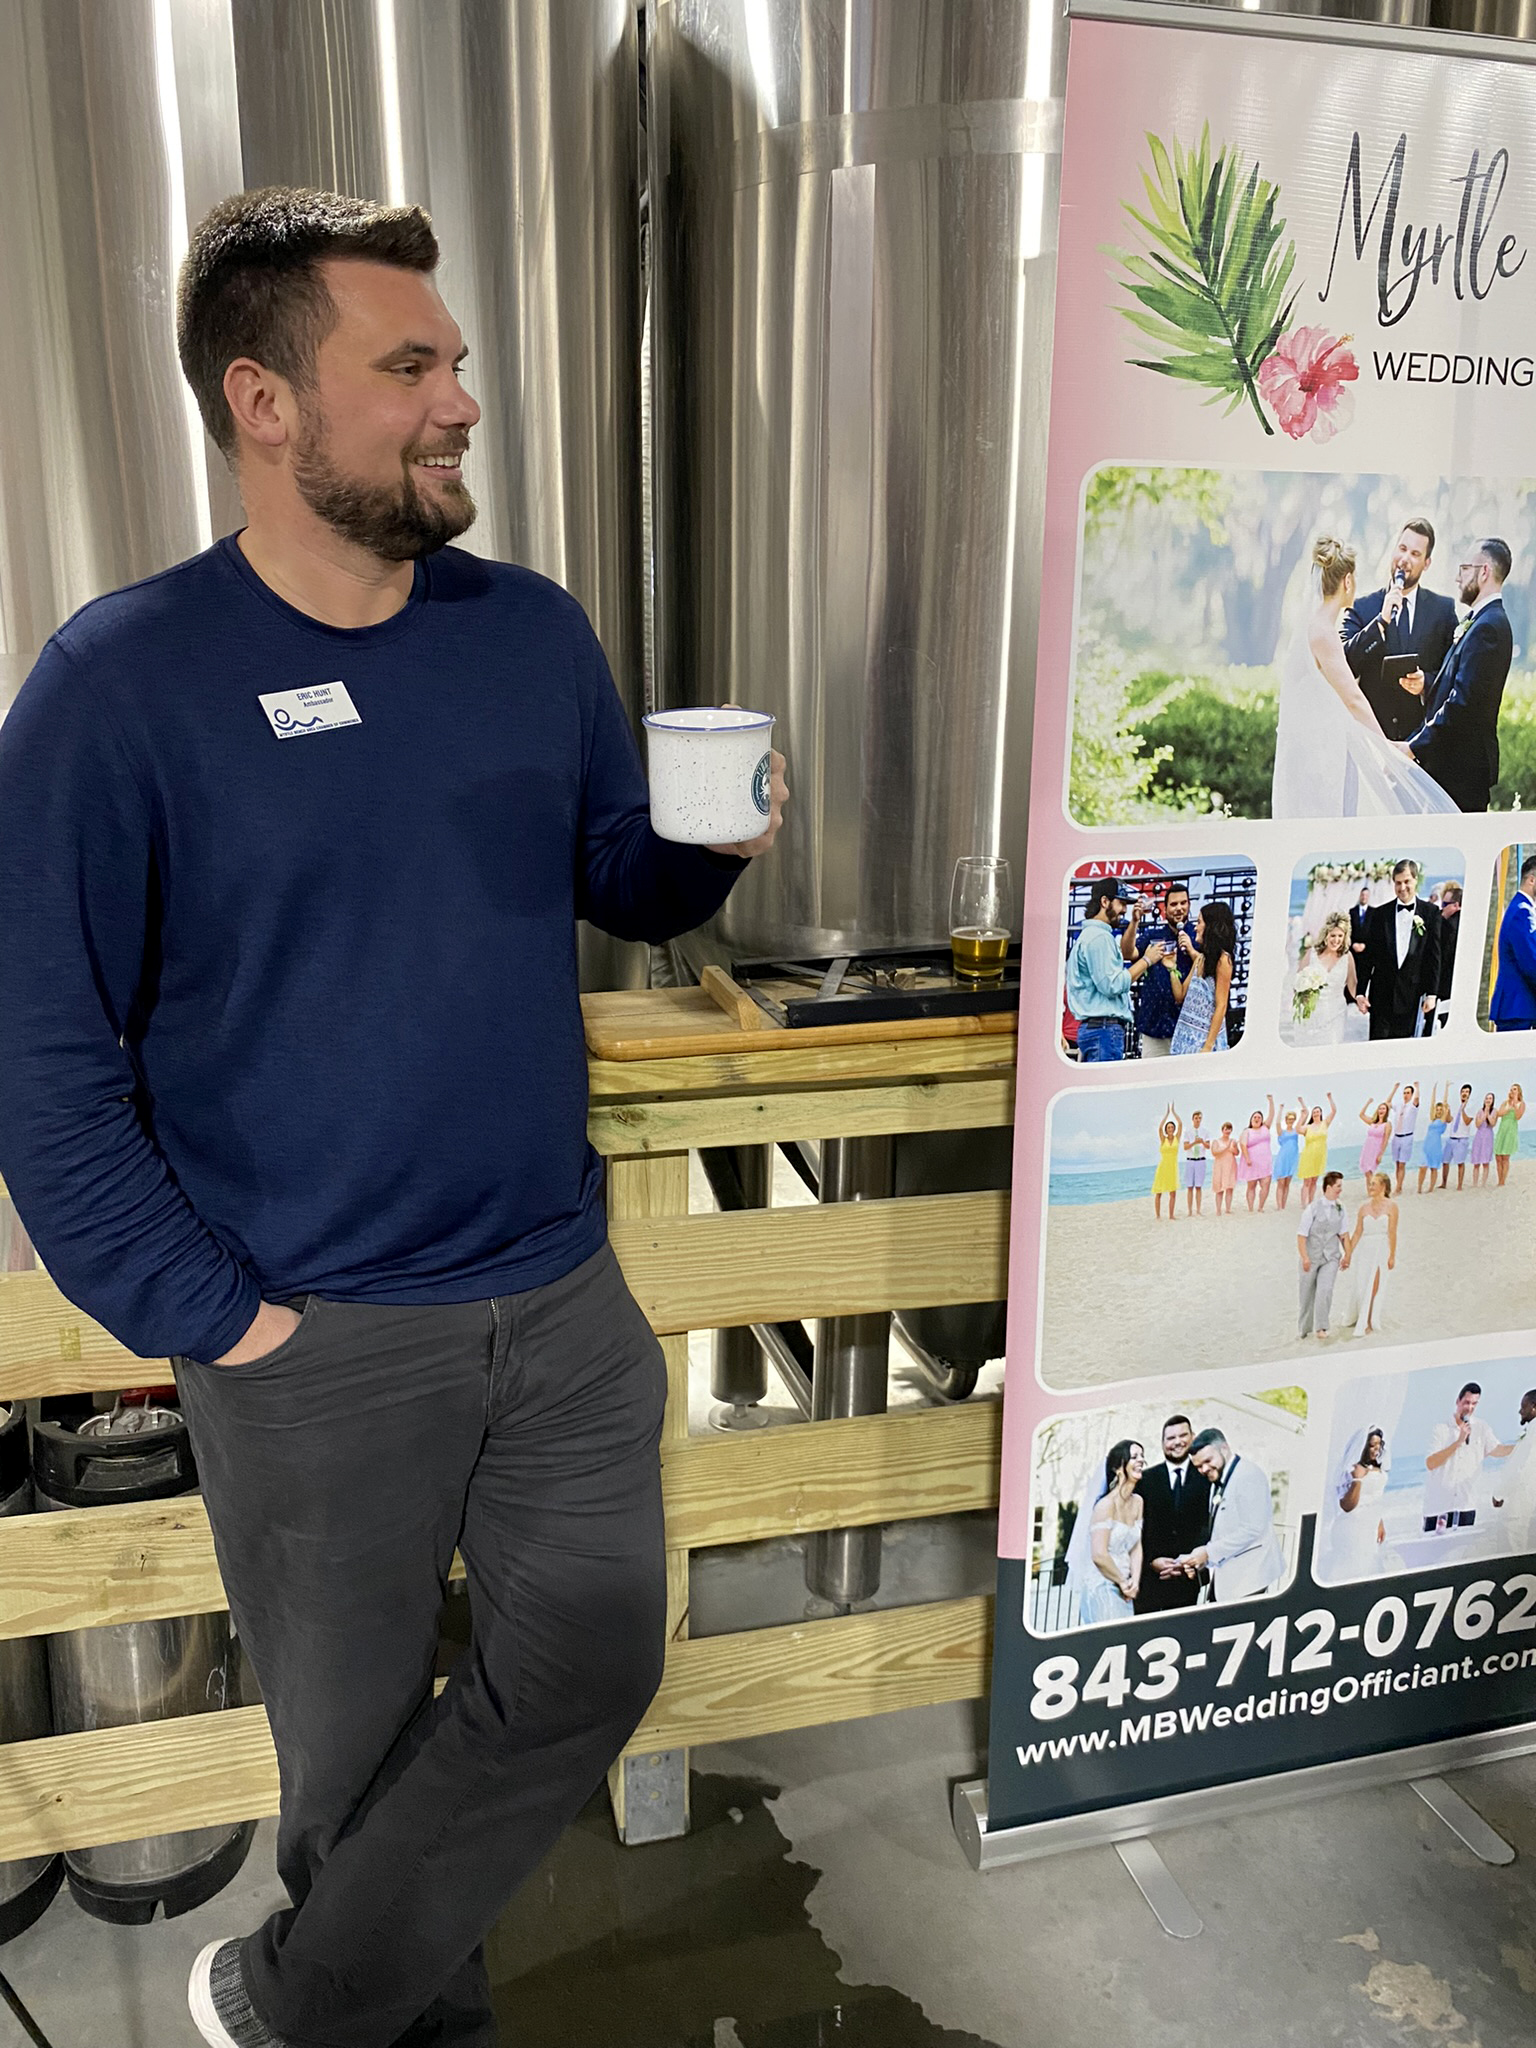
x,y
1129,1825
1160,1888
1447,1804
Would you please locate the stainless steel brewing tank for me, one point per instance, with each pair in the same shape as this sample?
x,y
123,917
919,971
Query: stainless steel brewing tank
x,y
853,275
132,1672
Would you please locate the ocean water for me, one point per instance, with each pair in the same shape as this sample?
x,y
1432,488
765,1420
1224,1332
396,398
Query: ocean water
x,y
1076,1190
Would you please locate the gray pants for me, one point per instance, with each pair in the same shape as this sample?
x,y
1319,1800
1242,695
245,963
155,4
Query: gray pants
x,y
339,1473
1317,1295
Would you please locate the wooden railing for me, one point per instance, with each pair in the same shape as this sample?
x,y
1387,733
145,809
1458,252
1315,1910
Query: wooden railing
x,y
93,1567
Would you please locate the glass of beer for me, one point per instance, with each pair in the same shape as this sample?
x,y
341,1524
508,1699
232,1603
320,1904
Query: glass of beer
x,y
980,914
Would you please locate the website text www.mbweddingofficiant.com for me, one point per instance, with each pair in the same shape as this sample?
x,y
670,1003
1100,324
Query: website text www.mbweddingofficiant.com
x,y
1173,1722
1437,1618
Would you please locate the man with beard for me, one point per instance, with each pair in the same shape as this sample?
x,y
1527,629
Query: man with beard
x,y
1458,742
1403,622
293,840
1176,1517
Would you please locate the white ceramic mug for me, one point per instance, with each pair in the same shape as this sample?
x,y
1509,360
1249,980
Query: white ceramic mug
x,y
711,774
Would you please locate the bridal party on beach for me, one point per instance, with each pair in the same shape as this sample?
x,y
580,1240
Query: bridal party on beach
x,y
1338,1208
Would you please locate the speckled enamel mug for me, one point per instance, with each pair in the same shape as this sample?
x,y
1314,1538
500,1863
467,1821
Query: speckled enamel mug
x,y
710,774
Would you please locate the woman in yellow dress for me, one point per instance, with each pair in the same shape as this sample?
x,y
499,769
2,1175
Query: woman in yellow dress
x,y
1313,1163
1165,1181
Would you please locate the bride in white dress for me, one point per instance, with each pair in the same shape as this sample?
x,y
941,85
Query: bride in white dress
x,y
1332,759
1356,1536
1371,1255
1104,1554
1323,986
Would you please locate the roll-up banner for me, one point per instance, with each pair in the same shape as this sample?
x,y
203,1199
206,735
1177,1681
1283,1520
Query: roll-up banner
x,y
1269,1482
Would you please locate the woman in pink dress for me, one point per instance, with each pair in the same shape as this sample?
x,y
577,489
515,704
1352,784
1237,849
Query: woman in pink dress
x,y
1224,1170
1378,1128
1256,1166
1481,1156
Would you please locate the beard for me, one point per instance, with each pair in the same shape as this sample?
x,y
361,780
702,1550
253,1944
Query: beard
x,y
393,521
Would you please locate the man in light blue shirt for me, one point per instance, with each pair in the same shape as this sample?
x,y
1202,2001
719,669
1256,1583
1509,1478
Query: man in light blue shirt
x,y
1100,970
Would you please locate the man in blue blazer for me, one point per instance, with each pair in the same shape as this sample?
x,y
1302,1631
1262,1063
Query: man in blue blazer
x,y
1513,1007
1402,619
1458,742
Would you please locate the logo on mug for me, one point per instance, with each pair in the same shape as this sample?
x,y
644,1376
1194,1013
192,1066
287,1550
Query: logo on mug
x,y
761,782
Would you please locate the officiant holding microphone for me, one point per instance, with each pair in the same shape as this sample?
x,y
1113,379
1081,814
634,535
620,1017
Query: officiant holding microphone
x,y
1395,639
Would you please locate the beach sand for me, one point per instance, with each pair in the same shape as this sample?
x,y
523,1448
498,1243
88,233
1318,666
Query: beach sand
x,y
1128,1296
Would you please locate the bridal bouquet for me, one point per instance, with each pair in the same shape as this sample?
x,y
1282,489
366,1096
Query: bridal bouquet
x,y
1305,990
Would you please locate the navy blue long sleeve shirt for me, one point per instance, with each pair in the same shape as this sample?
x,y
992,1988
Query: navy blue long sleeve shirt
x,y
299,1014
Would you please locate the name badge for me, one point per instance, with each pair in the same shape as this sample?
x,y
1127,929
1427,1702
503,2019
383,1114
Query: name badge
x,y
322,707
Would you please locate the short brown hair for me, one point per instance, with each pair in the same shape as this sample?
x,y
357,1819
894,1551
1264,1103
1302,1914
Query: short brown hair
x,y
1425,532
251,283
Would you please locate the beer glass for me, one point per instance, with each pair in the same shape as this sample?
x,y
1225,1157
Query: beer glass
x,y
980,913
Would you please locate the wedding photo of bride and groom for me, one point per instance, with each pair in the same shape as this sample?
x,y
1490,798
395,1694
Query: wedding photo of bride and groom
x,y
1375,1208
1302,646
1371,946
1146,1509
1430,1468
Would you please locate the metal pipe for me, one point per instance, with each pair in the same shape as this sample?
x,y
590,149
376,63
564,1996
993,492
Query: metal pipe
x,y
738,1373
851,1373
741,1177
779,1342
804,1156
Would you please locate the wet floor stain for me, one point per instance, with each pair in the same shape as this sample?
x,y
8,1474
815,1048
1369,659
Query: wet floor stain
x,y
701,1943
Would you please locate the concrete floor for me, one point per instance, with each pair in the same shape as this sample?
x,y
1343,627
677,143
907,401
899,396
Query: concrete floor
x,y
821,1899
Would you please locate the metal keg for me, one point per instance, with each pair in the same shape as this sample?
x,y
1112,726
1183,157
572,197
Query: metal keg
x,y
136,1671
26,1887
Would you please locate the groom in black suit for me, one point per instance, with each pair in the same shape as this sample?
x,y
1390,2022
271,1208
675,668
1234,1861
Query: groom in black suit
x,y
1397,980
1176,1519
1402,619
1458,742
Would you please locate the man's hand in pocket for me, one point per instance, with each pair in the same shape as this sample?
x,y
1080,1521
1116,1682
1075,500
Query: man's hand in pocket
x,y
274,1325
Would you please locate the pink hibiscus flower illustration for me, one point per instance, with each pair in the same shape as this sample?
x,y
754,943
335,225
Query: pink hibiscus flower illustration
x,y
1303,383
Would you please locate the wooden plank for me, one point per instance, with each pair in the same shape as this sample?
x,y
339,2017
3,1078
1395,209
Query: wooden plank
x,y
114,1784
725,1688
765,1119
833,1475
209,1770
763,1266
661,1023
39,1327
94,1567
733,1001
797,1066
24,1379
639,1189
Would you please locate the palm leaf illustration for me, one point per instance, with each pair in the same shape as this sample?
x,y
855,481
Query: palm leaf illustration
x,y
1210,287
